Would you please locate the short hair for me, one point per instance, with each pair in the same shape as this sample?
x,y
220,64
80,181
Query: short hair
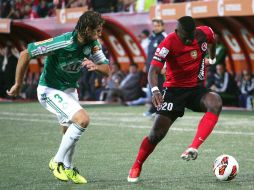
x,y
187,23
146,32
158,20
89,19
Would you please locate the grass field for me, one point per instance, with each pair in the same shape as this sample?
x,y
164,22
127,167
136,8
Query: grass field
x,y
29,137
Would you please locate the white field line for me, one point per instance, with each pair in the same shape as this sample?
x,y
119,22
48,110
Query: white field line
x,y
130,126
246,121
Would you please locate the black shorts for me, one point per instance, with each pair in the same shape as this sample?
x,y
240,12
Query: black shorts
x,y
177,99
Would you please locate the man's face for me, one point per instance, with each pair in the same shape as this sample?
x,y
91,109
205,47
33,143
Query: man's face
x,y
246,75
220,69
157,27
186,37
92,34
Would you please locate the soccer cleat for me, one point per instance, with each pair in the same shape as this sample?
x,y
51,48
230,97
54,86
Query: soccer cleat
x,y
190,154
52,164
58,170
134,174
73,174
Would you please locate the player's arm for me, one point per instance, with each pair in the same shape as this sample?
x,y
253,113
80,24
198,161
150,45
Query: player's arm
x,y
211,50
98,62
157,64
211,44
91,66
22,66
34,50
153,82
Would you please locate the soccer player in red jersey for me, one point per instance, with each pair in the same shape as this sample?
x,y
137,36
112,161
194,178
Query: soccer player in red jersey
x,y
183,52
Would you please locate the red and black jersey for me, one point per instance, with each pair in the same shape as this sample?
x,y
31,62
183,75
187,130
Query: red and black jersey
x,y
185,65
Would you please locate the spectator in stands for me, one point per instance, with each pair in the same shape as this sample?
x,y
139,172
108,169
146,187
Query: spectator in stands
x,y
155,39
44,9
5,8
9,66
103,6
144,40
221,53
30,85
129,89
224,84
113,81
247,90
85,85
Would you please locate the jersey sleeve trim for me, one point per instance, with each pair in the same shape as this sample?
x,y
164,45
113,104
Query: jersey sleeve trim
x,y
43,47
157,63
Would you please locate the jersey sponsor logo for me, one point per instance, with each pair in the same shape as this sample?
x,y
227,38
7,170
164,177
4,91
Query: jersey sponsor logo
x,y
194,54
201,74
72,67
42,49
163,52
204,46
44,41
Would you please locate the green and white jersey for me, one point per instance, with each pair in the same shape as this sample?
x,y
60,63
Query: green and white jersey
x,y
62,66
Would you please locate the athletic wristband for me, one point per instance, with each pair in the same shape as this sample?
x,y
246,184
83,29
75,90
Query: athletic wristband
x,y
211,61
155,88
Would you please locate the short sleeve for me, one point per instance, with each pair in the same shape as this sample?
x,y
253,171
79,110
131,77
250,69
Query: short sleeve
x,y
161,53
46,46
209,33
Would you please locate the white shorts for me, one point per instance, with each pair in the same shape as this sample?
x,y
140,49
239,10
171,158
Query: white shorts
x,y
64,104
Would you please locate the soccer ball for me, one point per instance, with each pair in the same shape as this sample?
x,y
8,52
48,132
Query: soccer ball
x,y
225,167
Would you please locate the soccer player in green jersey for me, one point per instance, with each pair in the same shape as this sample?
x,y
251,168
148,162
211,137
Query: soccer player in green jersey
x,y
66,55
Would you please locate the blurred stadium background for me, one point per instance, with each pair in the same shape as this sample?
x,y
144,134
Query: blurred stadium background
x,y
27,137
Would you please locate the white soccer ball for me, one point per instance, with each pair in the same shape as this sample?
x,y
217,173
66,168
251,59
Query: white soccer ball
x,y
225,167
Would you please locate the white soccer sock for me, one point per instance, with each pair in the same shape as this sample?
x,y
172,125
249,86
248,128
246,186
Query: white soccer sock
x,y
68,157
70,137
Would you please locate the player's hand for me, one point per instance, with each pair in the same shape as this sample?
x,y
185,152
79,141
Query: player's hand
x,y
157,99
207,62
14,91
91,66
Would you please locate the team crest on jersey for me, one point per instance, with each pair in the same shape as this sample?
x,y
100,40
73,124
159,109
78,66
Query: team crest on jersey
x,y
158,50
95,49
42,49
163,52
204,46
194,54
87,50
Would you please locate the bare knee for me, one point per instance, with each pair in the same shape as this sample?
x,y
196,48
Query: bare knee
x,y
213,103
81,118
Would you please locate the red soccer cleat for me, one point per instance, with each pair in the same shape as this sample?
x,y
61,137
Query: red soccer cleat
x,y
190,154
134,175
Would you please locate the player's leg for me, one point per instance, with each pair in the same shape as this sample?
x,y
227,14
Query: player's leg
x,y
211,104
159,130
68,159
61,104
79,122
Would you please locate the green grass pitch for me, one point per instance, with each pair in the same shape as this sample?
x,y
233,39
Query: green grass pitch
x,y
29,137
